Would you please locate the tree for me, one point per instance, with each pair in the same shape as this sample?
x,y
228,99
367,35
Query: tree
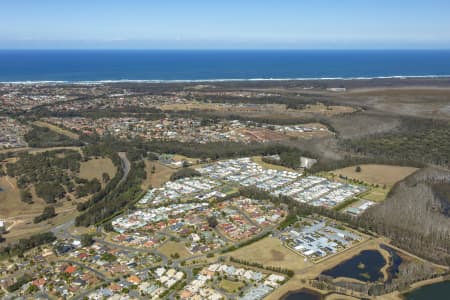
x,y
50,192
184,173
26,196
212,221
105,177
49,212
108,227
358,169
86,240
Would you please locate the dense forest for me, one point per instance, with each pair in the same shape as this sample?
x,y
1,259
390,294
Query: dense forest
x,y
415,216
184,173
45,137
426,141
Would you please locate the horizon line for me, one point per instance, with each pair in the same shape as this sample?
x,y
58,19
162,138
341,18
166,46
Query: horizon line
x,y
226,49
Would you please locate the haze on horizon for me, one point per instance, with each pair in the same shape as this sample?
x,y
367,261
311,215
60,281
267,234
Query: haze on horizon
x,y
232,24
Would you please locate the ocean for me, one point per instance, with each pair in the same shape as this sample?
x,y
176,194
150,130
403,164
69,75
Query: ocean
x,y
207,65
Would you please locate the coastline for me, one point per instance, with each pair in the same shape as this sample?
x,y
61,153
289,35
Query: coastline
x,y
107,81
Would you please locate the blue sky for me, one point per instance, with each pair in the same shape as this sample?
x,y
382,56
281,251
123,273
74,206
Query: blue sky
x,y
237,24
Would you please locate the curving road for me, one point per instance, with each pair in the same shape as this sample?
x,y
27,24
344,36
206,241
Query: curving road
x,y
62,231
126,166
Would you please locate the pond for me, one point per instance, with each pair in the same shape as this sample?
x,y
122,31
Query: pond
x,y
436,291
366,266
394,262
303,294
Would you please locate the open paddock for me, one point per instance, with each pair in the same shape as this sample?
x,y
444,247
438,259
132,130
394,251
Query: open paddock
x,y
160,176
270,252
94,168
171,248
377,174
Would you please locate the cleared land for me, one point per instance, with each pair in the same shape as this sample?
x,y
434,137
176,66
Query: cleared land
x,y
230,286
171,248
376,194
94,168
10,203
160,175
270,252
377,174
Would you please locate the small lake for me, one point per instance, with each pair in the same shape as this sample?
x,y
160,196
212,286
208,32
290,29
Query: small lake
x,y
303,294
366,266
394,263
1,189
436,291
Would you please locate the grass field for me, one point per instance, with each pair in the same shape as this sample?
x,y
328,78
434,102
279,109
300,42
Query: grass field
x,y
57,129
170,248
259,161
230,286
94,168
377,194
270,252
377,174
10,203
157,179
